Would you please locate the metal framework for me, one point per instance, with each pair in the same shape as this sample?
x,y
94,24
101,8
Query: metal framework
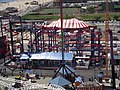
x,y
49,40
42,39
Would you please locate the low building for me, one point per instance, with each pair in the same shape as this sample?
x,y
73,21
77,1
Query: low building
x,y
57,2
34,3
113,6
47,59
11,10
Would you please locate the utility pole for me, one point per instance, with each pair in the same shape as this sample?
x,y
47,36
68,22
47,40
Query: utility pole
x,y
11,34
112,60
21,26
62,32
106,34
1,27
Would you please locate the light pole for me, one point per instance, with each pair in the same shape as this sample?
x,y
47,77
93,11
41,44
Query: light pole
x,y
11,34
94,72
62,32
112,60
1,26
21,33
29,56
106,34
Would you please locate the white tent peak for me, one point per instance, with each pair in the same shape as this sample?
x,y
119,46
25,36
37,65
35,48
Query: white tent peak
x,y
69,23
60,81
66,70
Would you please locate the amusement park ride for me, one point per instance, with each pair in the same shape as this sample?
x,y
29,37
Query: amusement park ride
x,y
47,39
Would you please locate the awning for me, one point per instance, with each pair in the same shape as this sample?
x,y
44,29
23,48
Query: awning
x,y
81,57
48,56
116,57
69,23
81,49
24,56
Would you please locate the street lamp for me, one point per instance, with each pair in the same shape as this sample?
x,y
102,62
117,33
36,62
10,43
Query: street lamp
x,y
21,27
1,26
112,59
29,56
62,32
11,34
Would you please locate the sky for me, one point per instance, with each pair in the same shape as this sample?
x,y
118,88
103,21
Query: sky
x,y
6,0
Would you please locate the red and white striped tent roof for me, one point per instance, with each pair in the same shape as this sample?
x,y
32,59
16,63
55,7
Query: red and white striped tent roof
x,y
68,23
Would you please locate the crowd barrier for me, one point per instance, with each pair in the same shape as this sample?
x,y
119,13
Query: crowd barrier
x,y
27,85
91,88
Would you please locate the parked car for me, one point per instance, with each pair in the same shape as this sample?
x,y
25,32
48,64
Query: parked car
x,y
11,9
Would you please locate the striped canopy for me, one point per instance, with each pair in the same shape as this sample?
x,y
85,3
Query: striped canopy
x,y
68,23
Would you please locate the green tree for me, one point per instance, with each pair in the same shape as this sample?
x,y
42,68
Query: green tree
x,y
116,17
91,9
97,18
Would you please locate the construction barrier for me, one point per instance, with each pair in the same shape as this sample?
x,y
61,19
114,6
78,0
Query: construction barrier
x,y
90,88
